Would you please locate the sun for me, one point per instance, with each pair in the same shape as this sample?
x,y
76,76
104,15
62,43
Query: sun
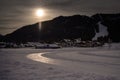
x,y
39,12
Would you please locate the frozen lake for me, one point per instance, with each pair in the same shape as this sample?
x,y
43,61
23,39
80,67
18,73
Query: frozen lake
x,y
60,64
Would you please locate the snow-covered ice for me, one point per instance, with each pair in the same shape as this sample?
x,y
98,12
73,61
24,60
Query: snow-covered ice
x,y
60,64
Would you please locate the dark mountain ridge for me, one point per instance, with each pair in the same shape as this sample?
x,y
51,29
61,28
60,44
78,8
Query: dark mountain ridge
x,y
71,27
29,33
67,27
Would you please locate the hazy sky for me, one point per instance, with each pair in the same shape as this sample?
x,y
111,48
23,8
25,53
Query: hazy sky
x,y
17,13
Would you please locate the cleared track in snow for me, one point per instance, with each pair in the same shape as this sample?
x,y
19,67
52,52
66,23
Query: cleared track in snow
x,y
104,62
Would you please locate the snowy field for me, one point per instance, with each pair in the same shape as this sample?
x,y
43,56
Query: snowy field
x,y
101,63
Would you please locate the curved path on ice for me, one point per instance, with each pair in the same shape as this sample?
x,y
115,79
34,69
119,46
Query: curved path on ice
x,y
95,61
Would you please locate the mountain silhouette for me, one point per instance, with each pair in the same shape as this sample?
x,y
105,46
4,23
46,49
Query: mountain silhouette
x,y
28,33
70,27
67,27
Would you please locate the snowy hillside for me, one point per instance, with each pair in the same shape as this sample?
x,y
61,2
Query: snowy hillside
x,y
102,31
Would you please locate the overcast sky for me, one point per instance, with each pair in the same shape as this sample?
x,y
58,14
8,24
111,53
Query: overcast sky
x,y
17,13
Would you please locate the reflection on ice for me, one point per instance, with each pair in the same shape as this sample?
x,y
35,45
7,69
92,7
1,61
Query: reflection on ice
x,y
38,57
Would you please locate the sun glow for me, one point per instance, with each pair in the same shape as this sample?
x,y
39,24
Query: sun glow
x,y
39,12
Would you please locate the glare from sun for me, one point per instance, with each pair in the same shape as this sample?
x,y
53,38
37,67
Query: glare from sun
x,y
40,12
